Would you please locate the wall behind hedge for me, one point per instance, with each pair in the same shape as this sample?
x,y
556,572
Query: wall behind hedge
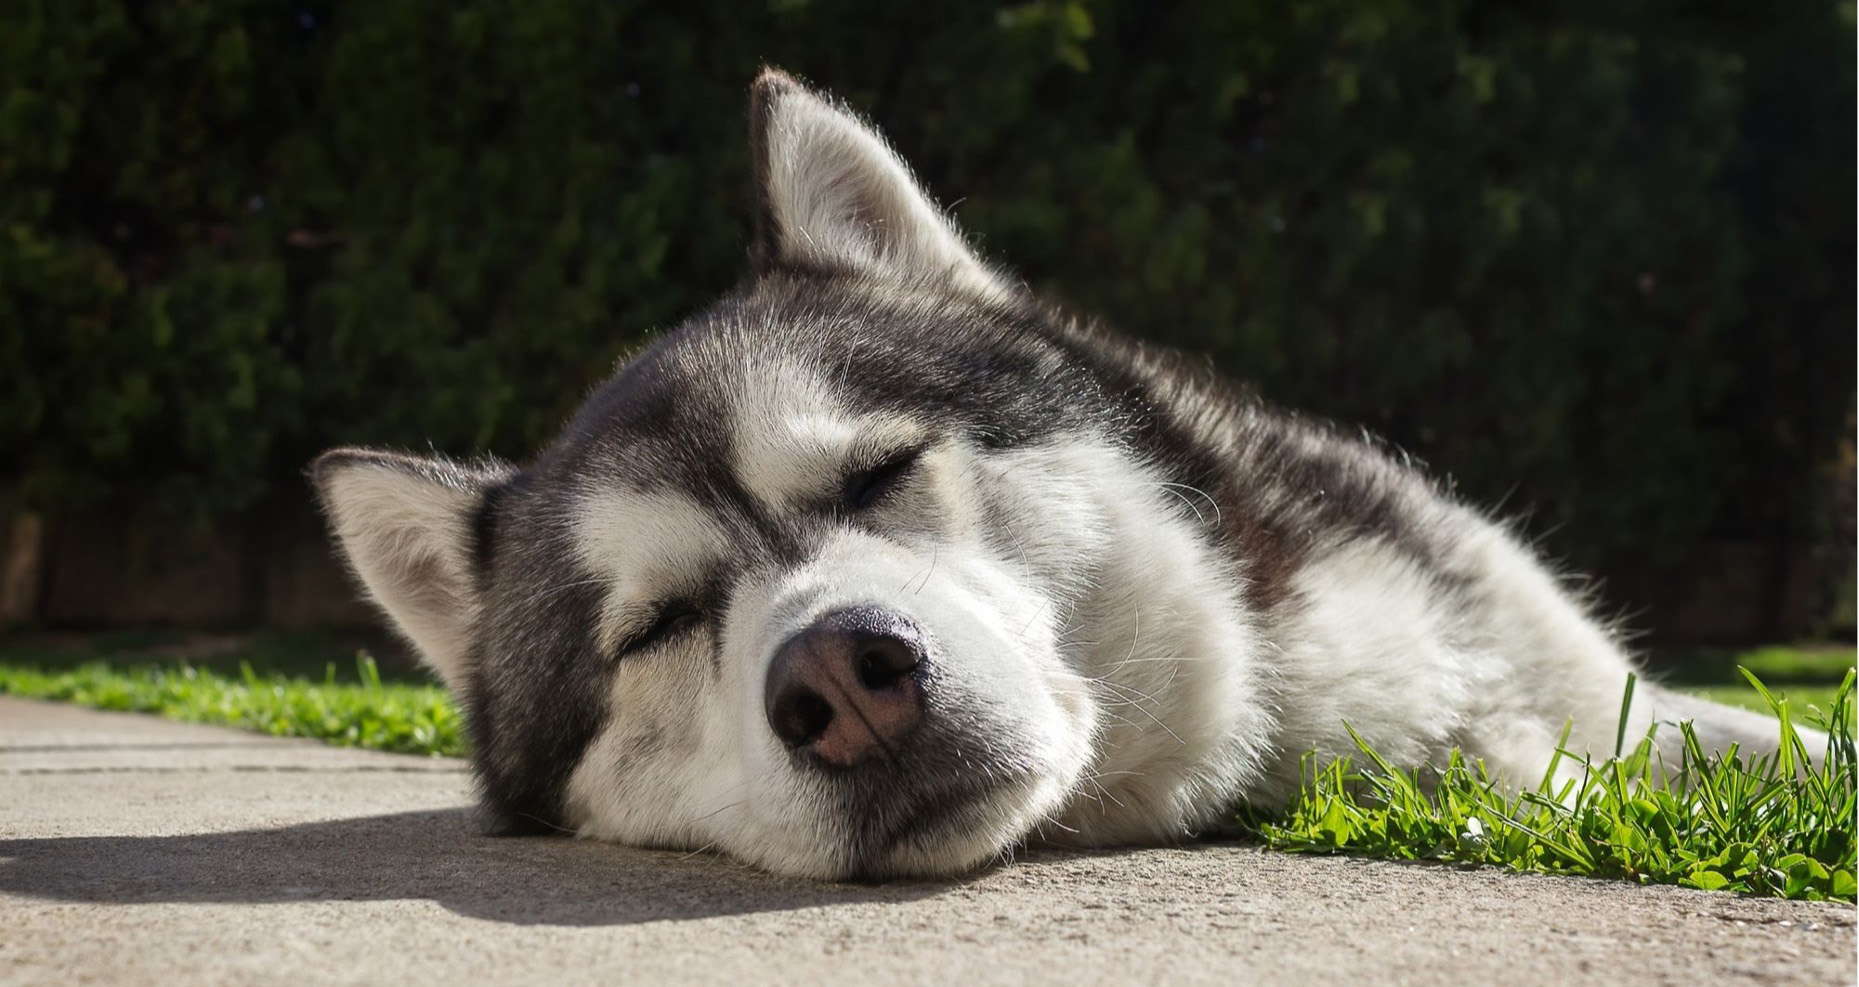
x,y
1592,259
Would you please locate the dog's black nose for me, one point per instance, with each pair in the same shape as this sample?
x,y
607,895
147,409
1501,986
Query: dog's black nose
x,y
847,687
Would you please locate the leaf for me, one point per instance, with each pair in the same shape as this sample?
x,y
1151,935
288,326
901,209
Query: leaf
x,y
1705,880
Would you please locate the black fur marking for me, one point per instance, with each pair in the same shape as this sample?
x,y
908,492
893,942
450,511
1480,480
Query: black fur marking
x,y
484,531
538,678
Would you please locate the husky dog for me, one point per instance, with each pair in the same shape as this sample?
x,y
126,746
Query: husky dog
x,y
880,566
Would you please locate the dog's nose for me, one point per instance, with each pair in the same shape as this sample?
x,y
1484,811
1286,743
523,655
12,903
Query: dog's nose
x,y
847,687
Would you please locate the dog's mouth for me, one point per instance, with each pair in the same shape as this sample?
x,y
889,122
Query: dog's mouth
x,y
931,834
936,809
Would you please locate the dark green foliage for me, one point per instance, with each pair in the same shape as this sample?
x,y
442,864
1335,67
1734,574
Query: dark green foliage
x,y
1598,253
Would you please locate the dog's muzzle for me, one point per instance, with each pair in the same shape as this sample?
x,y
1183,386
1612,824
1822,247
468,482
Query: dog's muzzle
x,y
849,687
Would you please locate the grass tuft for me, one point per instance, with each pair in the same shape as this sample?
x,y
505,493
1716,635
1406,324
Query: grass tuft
x,y
1777,825
366,712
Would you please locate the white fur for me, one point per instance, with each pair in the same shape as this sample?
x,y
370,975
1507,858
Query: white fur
x,y
404,532
1154,621
646,547
1373,646
792,437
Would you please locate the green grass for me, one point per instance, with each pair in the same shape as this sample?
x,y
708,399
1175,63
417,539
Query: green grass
x,y
1806,698
1775,825
1709,822
363,712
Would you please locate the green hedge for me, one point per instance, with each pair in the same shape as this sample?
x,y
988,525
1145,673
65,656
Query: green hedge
x,y
1598,253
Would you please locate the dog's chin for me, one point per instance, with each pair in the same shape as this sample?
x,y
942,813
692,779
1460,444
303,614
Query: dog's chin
x,y
954,836
930,824
926,836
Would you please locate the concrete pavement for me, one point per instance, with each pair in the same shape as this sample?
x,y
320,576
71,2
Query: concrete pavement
x,y
139,851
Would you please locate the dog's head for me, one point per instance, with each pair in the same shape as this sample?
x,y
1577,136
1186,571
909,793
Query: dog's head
x,y
804,580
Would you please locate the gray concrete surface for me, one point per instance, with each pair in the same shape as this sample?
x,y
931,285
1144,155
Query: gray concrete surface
x,y
138,851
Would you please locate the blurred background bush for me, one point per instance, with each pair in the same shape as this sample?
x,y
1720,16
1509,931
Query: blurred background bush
x,y
1594,260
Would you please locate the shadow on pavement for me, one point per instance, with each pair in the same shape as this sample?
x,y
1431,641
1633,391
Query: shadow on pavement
x,y
439,856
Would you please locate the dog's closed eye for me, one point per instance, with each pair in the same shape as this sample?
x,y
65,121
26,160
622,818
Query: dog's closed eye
x,y
673,620
869,486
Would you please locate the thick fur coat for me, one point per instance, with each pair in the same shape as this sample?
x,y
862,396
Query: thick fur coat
x,y
882,566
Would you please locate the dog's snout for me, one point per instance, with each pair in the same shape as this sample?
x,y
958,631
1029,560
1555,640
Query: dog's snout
x,y
847,687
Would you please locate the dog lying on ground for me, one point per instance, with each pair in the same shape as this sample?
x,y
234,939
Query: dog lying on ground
x,y
880,566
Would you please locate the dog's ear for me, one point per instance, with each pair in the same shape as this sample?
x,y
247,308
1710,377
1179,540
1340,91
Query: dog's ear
x,y
831,195
409,526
